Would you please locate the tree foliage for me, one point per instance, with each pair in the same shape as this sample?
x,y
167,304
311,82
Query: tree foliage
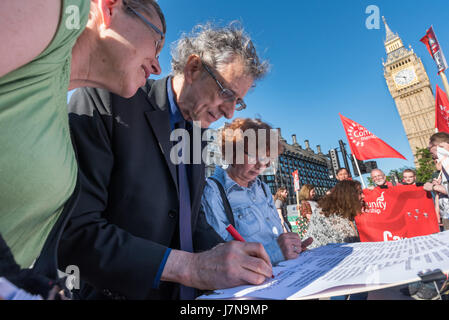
x,y
426,167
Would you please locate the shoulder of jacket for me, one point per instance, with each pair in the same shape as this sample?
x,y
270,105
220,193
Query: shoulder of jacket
x,y
84,101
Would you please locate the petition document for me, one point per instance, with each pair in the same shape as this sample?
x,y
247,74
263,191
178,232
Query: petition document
x,y
338,269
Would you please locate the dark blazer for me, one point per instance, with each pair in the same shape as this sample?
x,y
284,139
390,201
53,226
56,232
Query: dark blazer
x,y
127,213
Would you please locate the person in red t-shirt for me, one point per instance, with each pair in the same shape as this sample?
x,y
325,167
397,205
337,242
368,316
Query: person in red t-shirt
x,y
379,178
409,177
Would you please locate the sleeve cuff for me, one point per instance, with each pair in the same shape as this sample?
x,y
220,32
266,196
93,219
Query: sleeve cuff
x,y
157,279
274,252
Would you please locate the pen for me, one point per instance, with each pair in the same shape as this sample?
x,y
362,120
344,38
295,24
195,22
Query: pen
x,y
236,235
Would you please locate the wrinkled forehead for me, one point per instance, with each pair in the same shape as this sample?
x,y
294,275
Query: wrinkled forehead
x,y
236,76
377,174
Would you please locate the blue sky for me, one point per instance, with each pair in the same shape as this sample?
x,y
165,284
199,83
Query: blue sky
x,y
324,61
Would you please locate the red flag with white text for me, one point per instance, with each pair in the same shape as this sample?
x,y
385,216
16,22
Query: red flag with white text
x,y
432,44
364,144
442,111
396,213
295,175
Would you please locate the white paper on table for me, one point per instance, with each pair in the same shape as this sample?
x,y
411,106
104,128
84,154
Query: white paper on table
x,y
338,269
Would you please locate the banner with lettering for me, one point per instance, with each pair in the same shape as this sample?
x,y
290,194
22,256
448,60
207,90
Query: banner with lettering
x,y
364,144
432,44
397,213
296,180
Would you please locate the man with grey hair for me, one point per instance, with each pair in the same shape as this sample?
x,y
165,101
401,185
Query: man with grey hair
x,y
135,231
379,179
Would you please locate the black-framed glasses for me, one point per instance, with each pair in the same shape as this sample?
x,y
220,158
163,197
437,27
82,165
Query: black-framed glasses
x,y
158,43
225,93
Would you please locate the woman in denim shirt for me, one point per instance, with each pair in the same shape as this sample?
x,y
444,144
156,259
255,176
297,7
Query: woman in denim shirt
x,y
252,204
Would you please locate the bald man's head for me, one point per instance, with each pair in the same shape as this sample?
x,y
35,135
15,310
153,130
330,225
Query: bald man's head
x,y
378,177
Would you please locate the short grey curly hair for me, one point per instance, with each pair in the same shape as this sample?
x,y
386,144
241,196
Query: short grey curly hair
x,y
218,46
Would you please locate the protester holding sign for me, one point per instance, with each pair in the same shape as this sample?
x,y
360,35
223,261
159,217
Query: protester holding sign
x,y
409,177
395,213
398,212
379,179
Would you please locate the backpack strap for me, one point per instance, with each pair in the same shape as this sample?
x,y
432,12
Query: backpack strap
x,y
225,201
263,188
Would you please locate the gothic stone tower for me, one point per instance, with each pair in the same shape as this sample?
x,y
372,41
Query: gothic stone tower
x,y
410,87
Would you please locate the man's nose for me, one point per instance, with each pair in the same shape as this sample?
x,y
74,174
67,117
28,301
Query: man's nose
x,y
228,109
155,67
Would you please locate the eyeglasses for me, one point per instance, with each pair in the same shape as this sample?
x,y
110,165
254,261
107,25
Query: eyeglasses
x,y
158,43
227,94
263,161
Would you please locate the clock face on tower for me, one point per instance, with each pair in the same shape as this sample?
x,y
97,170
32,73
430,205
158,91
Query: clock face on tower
x,y
405,77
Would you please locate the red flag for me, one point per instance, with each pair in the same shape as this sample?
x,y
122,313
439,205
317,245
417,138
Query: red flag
x,y
442,111
396,213
432,44
296,180
364,144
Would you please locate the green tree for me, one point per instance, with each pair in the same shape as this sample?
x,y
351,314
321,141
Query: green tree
x,y
395,175
426,167
370,181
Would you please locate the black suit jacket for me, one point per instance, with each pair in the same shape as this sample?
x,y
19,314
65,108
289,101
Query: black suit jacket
x,y
128,211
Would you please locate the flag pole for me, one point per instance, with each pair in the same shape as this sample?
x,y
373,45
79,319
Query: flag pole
x,y
358,170
297,198
445,83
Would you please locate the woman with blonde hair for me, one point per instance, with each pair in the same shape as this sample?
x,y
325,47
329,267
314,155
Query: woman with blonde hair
x,y
306,205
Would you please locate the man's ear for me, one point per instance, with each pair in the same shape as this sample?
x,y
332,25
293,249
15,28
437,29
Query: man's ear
x,y
107,8
193,69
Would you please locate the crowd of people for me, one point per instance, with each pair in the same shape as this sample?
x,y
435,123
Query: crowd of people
x,y
104,193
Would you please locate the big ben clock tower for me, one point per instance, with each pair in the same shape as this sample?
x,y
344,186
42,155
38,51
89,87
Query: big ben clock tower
x,y
410,88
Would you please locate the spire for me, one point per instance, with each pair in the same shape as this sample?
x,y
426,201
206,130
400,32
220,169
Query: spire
x,y
390,34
